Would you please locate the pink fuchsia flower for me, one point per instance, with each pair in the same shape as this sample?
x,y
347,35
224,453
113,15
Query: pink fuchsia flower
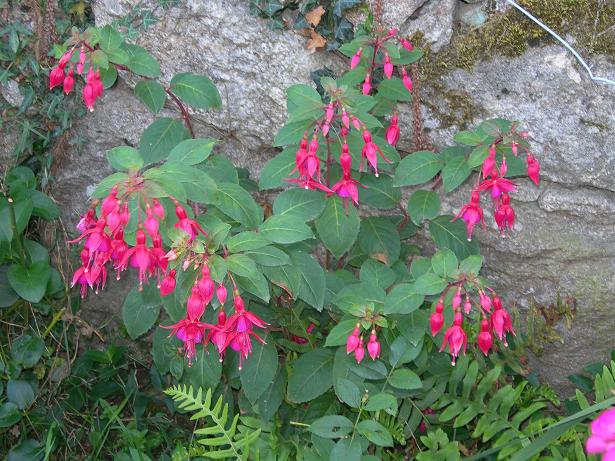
x,y
370,152
81,274
467,305
329,113
139,257
367,84
436,321
151,223
504,215
109,203
347,189
81,62
56,77
500,320
189,332
455,338
533,168
97,239
69,82
97,276
373,346
602,438
352,342
472,214
484,339
485,301
218,334
456,302
356,58
118,247
345,119
168,283
65,58
392,133
406,80
87,221
189,226
195,306
497,185
239,328
489,162
359,352
503,167
221,293
158,209
406,44
309,183
388,66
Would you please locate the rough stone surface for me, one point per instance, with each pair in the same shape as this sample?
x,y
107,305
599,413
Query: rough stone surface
x,y
565,229
395,13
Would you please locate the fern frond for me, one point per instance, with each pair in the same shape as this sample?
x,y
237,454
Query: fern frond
x,y
222,442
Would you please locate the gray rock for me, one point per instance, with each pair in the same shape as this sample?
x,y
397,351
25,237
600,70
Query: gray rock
x,y
435,20
395,13
565,228
10,92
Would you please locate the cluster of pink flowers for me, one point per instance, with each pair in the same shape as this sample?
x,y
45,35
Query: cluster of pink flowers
x,y
495,184
354,343
93,88
493,321
602,438
338,117
105,246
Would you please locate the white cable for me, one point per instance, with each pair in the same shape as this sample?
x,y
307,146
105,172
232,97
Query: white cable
x,y
563,42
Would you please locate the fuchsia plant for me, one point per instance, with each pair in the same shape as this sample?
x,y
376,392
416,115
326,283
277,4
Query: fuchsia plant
x,y
602,438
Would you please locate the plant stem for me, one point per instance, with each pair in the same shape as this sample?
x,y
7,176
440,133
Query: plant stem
x,y
184,111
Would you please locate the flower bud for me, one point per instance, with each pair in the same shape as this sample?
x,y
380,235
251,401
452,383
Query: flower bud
x,y
356,59
359,352
221,293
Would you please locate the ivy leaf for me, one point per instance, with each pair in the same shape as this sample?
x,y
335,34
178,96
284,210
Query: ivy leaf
x,y
311,376
417,168
196,90
259,370
454,173
30,282
422,205
125,158
276,169
343,5
285,229
337,229
140,311
160,137
152,94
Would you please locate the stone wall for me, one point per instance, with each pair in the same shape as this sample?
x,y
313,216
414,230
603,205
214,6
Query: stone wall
x,y
564,236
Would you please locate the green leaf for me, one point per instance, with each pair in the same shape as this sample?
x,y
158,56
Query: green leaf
x,y
403,299
242,265
469,138
152,94
43,206
259,370
407,57
192,151
444,262
236,202
272,398
285,229
405,379
160,137
99,59
454,173
303,103
300,203
30,282
140,311
9,414
27,350
7,294
109,38
104,186
379,192
338,230
348,449
478,156
245,241
206,369
471,265
394,90
276,169
340,332
20,393
311,376
348,392
108,77
422,205
331,427
312,279
257,285
291,133
375,433
382,401
196,90
377,273
429,284
379,238
141,62
269,256
417,168
124,158
452,235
